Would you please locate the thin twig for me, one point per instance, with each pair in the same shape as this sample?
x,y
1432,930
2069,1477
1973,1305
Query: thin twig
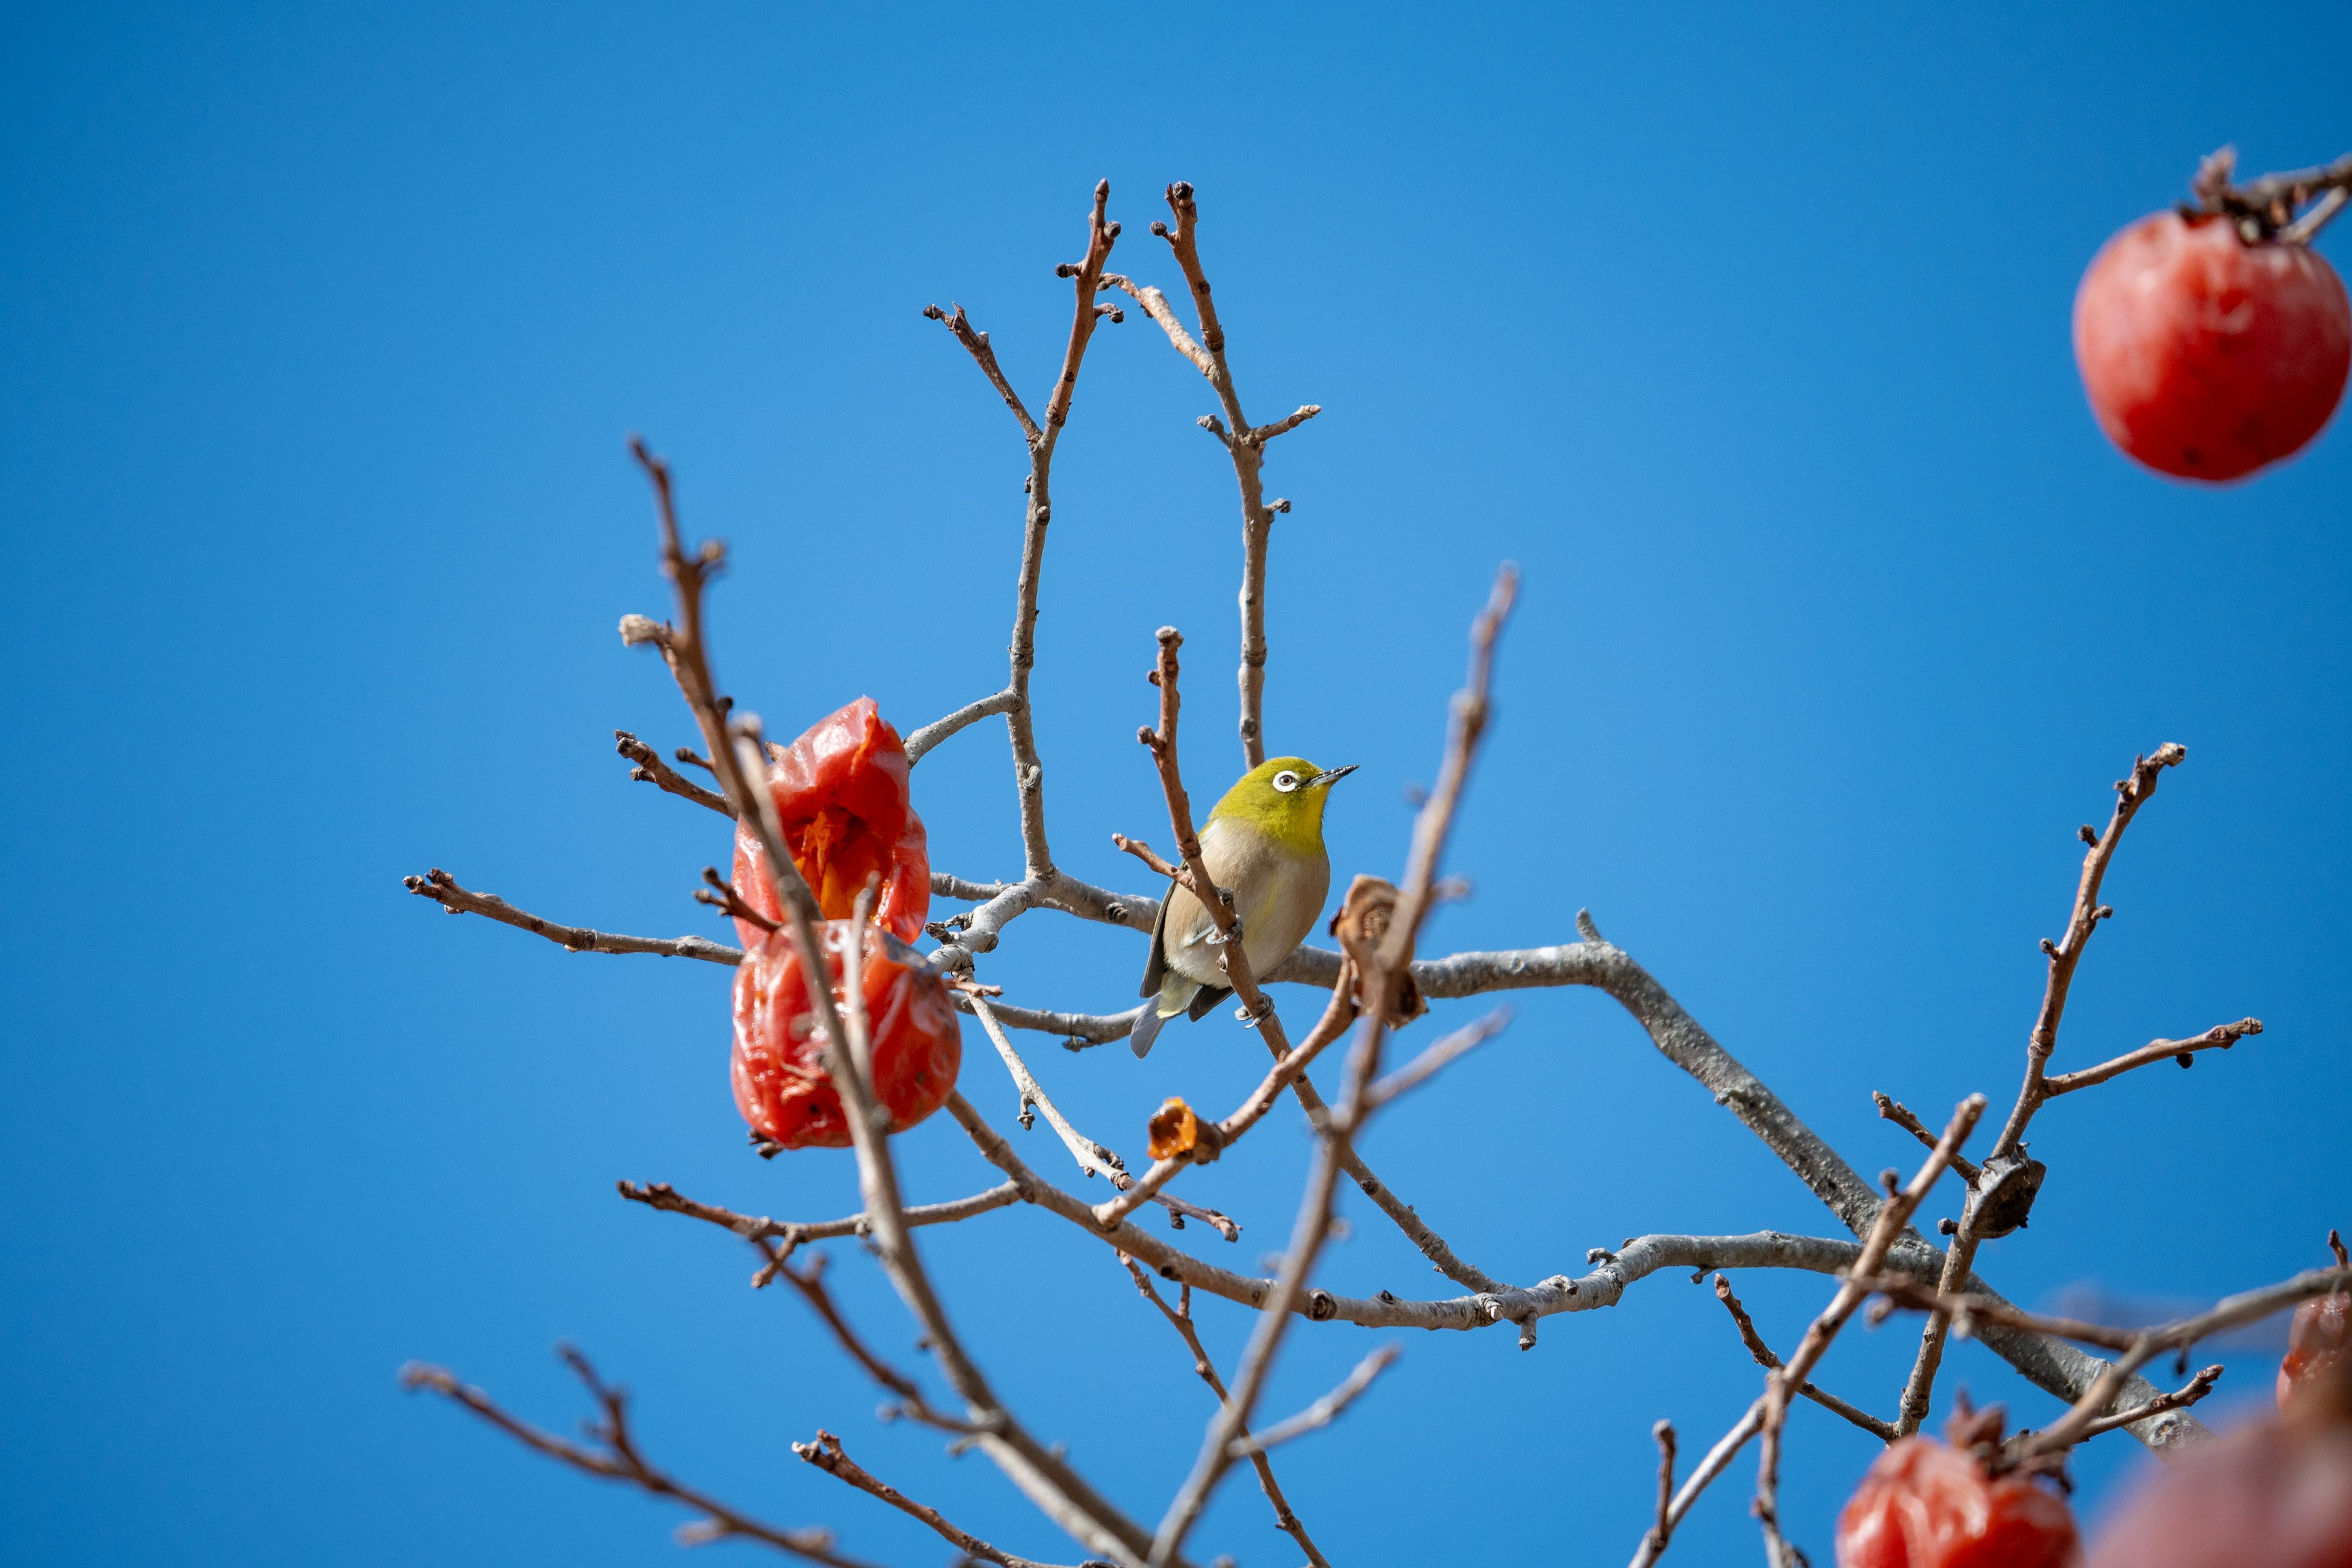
x,y
1322,1413
1382,966
2007,1163
920,743
2179,1399
1892,1216
1718,1460
1757,1348
1179,1318
2264,208
2222,1036
651,770
2244,1307
794,1234
441,889
1895,1110
826,1455
616,1458
1093,1158
1244,445
1427,1065
1232,954
1041,885
1664,1530
720,894
1220,1136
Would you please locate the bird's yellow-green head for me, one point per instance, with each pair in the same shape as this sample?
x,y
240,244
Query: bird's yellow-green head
x,y
1283,798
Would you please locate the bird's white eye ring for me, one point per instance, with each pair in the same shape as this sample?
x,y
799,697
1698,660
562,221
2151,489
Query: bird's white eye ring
x,y
1286,781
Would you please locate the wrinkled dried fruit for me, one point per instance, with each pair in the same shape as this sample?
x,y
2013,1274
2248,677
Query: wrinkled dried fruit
x,y
1925,1504
1174,1130
2205,356
781,1085
842,794
2317,1339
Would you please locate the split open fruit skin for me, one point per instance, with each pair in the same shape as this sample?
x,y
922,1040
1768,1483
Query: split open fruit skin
x,y
778,1067
1925,1504
842,794
2207,357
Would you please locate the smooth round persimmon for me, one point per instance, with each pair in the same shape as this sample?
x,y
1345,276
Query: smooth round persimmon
x,y
1925,1504
780,1084
2207,356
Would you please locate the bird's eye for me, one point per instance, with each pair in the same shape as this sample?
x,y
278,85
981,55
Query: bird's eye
x,y
1286,781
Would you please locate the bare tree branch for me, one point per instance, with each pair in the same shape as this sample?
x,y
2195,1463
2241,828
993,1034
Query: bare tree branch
x,y
1244,445
1041,1473
1179,1318
2264,208
1891,1217
826,1455
2007,1168
2244,1307
441,889
1078,1030
1718,1460
757,1227
976,344
1215,1138
1663,1531
1895,1110
1039,875
2197,1388
1231,957
1322,1413
2099,1400
739,757
1427,1065
1382,966
615,1457
1093,1158
651,770
1757,1348
2222,1036
920,743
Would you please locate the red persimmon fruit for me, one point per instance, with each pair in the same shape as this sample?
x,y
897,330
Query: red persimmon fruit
x,y
2316,1338
2206,356
2276,1495
1925,1504
842,794
781,1085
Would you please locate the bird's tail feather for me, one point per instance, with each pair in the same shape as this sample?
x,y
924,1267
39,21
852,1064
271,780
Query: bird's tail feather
x,y
1176,994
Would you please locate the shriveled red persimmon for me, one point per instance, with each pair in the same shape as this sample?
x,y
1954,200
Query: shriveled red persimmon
x,y
2206,356
842,794
2317,1339
1925,1504
781,1085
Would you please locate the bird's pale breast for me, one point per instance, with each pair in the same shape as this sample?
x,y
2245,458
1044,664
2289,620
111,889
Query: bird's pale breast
x,y
1278,894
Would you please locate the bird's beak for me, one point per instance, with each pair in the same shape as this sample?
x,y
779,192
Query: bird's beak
x,y
1331,775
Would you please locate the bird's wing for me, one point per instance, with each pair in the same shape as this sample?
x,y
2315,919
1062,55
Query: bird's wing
x,y
1207,997
1155,968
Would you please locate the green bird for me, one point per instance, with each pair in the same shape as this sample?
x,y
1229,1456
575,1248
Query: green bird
x,y
1264,845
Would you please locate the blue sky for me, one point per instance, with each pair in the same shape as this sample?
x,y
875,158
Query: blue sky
x,y
1743,331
